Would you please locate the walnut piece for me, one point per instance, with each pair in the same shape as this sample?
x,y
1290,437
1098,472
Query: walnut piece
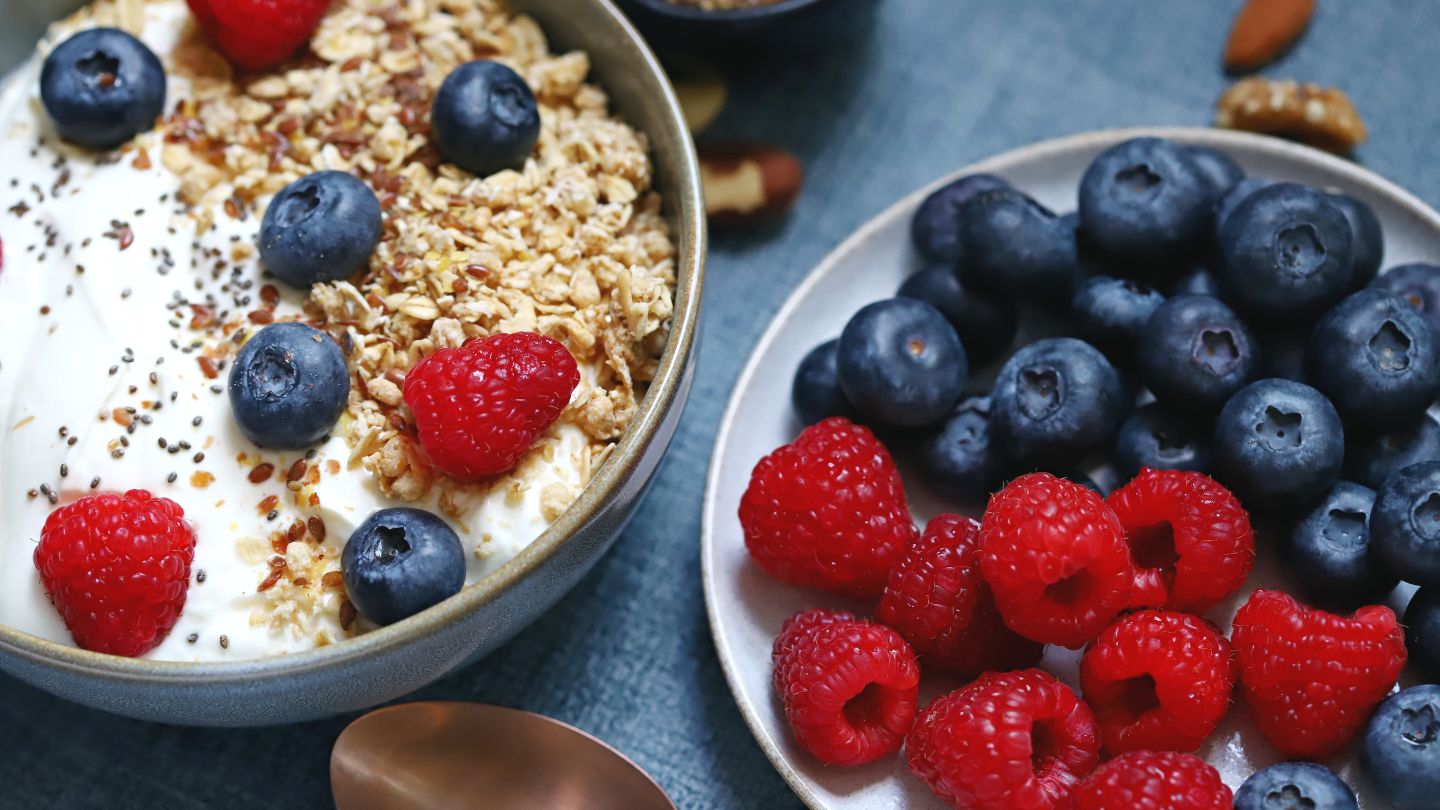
x,y
1319,116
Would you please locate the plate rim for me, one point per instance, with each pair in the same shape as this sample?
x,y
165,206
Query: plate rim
x,y
1100,138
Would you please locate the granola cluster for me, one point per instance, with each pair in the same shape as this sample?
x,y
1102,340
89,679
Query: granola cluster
x,y
572,245
303,587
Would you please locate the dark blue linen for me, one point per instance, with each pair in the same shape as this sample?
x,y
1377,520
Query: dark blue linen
x,y
930,86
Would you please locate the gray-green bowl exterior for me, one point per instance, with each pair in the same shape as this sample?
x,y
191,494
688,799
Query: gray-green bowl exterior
x,y
403,657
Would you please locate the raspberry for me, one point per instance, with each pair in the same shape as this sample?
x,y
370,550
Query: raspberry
x,y
1189,537
936,599
478,408
1312,677
828,511
1008,740
797,627
117,568
1158,680
256,34
849,686
1153,780
1056,559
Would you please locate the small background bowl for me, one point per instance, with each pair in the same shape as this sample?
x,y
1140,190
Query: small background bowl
x,y
785,27
403,657
746,606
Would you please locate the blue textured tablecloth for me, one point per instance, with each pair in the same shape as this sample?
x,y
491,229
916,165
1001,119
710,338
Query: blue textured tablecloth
x,y
930,86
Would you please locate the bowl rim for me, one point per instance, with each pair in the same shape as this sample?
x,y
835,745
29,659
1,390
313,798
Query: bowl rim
x,y
1098,139
763,13
689,217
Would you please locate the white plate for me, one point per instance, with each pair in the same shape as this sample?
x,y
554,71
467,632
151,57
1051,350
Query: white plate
x,y
746,606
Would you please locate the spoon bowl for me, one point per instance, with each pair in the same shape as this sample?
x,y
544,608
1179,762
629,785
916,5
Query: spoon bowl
x,y
441,755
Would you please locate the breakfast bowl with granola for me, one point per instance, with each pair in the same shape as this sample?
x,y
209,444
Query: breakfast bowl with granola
x,y
342,339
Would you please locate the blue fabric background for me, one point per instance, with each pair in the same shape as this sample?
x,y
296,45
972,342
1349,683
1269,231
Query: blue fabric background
x,y
929,86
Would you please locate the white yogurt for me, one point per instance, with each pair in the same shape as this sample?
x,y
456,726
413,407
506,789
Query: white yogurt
x,y
78,345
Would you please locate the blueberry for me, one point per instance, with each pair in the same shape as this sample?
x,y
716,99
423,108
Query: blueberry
x,y
1219,169
1199,281
1278,444
401,561
1376,358
1092,261
102,87
1295,786
1152,437
1226,204
1422,629
1285,251
322,227
1418,284
935,228
986,324
1194,353
1145,202
1056,401
485,119
1370,458
1330,554
901,363
1405,524
1401,751
1282,351
959,458
1367,239
1111,312
1017,247
815,392
288,385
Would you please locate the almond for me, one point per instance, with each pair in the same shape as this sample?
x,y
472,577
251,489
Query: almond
x,y
748,182
1263,30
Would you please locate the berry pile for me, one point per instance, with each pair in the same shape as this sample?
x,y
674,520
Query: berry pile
x,y
1227,340
1227,325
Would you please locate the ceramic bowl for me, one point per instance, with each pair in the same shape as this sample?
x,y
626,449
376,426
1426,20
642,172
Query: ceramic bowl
x,y
746,606
750,17
779,28
403,657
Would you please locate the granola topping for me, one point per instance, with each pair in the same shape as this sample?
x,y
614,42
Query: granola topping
x,y
571,246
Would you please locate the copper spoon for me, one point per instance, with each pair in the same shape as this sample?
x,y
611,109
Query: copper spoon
x,y
443,755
